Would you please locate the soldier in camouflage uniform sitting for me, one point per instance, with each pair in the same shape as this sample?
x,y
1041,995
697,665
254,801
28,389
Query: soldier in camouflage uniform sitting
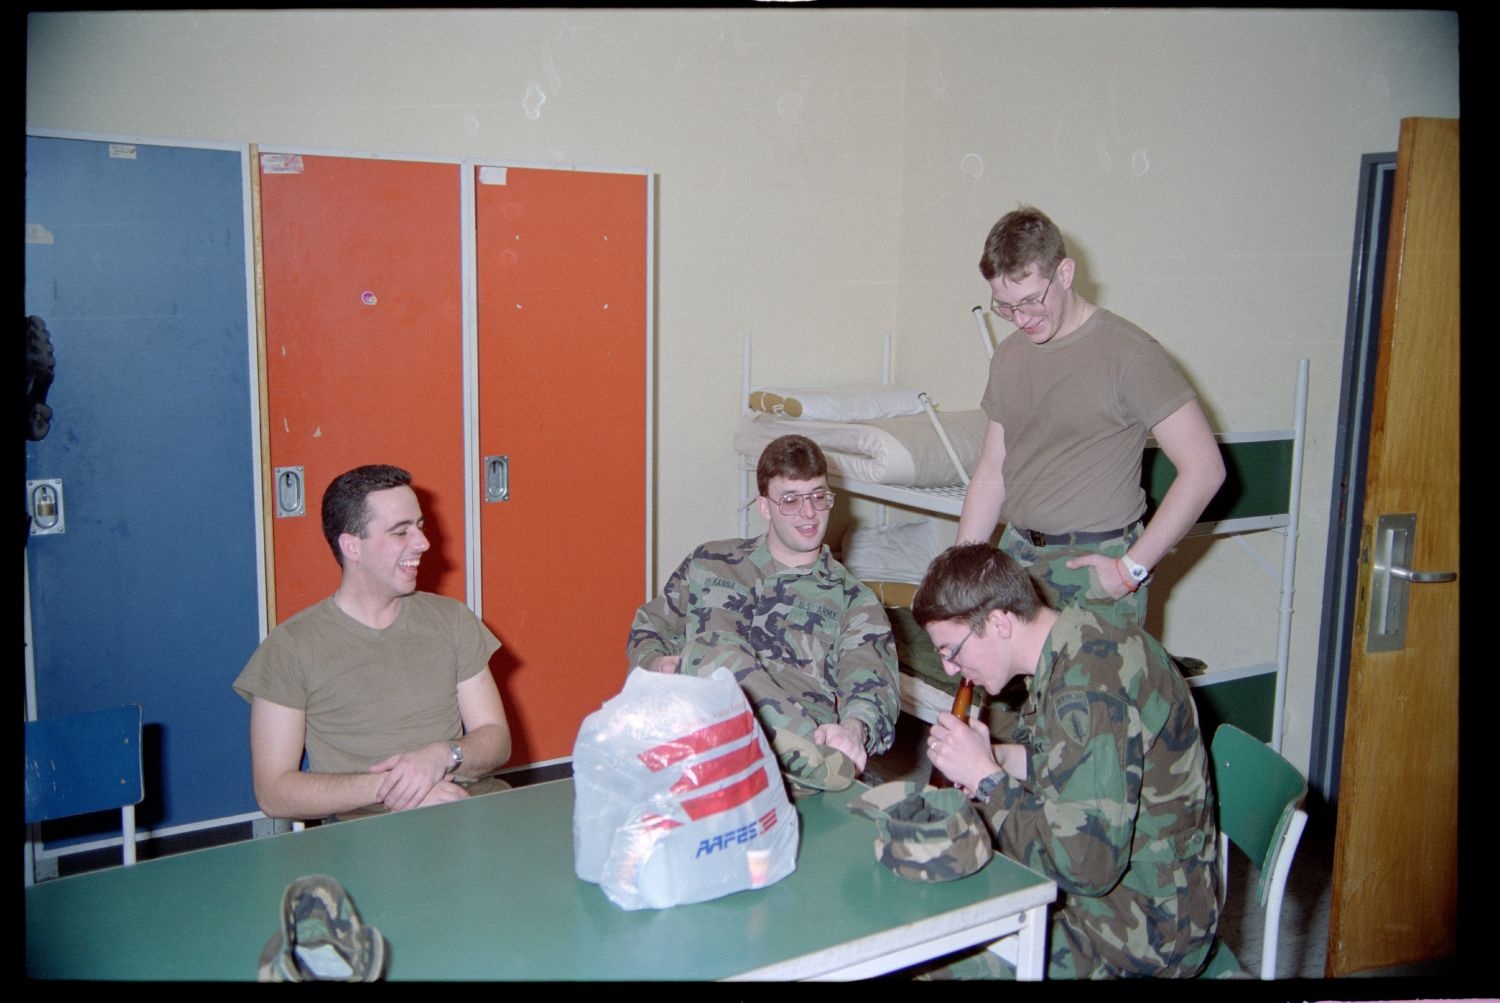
x,y
809,643
1104,784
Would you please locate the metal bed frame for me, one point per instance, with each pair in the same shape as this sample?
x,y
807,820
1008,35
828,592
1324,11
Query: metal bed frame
x,y
1268,500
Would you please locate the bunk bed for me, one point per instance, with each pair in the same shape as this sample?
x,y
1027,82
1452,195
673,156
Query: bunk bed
x,y
1261,493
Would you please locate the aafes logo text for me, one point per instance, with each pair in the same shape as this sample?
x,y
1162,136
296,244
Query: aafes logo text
x,y
744,834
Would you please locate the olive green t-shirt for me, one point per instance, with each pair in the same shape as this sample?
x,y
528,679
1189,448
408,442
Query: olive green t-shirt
x,y
371,693
1076,413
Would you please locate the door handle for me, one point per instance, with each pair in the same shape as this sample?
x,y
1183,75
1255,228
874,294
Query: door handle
x,y
1391,580
1423,577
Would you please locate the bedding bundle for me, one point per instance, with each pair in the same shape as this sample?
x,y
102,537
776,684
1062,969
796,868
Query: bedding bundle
x,y
854,402
876,434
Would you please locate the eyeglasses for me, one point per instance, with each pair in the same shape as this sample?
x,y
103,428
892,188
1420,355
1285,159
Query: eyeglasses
x,y
1030,306
952,656
791,504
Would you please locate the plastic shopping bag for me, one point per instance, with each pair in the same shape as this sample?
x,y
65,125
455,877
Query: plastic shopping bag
x,y
678,797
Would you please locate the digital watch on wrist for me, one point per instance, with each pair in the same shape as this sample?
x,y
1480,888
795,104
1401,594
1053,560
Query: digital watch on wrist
x,y
455,756
1134,573
987,786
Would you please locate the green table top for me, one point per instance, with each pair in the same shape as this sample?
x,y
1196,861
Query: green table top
x,y
485,889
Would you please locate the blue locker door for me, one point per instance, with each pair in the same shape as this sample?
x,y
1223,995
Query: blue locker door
x,y
135,258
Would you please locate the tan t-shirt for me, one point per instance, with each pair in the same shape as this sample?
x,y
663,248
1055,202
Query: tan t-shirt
x,y
1076,413
370,693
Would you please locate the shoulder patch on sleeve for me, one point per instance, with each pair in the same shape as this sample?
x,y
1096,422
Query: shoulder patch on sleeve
x,y
1071,708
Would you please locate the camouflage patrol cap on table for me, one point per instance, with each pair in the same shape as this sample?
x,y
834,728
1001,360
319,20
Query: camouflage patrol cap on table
x,y
322,937
925,834
810,768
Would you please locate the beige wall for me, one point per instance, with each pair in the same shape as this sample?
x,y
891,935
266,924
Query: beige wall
x,y
826,177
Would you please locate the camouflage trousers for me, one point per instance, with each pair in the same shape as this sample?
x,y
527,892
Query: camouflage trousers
x,y
1064,586
773,706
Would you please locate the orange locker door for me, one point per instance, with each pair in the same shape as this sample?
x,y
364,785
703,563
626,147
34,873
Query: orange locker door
x,y
364,349
562,396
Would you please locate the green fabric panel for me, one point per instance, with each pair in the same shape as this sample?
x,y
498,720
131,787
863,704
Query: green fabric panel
x,y
1257,479
917,656
915,651
1245,703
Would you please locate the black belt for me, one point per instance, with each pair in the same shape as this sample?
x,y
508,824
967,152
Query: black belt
x,y
1068,539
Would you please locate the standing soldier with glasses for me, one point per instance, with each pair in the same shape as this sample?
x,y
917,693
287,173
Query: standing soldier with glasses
x,y
1072,395
809,643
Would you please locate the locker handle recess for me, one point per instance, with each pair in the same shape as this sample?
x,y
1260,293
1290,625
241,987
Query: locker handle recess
x,y
291,498
497,478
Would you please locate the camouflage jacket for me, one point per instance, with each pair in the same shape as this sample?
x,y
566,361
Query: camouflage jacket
x,y
809,645
1118,807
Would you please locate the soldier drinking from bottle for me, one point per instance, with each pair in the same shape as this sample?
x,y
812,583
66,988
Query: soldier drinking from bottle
x,y
1103,781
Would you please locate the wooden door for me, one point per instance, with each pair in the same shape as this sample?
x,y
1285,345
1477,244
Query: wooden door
x,y
1395,882
363,290
562,396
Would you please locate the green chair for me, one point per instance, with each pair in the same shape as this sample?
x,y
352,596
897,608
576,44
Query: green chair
x,y
1260,810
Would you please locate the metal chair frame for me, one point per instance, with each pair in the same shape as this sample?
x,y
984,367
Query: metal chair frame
x,y
1260,798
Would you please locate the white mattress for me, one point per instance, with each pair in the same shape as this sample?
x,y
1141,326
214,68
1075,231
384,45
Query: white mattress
x,y
901,451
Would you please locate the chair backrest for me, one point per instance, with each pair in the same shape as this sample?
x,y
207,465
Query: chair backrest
x,y
81,763
1259,792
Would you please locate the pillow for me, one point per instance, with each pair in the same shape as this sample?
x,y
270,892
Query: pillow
x,y
836,403
896,553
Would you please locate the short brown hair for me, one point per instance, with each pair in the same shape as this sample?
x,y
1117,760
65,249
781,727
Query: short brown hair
x,y
966,582
346,506
794,457
1020,239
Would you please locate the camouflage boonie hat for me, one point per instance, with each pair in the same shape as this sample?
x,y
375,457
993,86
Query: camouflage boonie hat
x,y
810,768
925,834
322,937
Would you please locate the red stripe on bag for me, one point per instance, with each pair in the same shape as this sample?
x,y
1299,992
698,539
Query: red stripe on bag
x,y
726,798
718,769
711,737
649,822
767,820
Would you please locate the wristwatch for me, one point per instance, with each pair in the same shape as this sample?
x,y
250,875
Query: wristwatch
x,y
455,756
987,786
1134,572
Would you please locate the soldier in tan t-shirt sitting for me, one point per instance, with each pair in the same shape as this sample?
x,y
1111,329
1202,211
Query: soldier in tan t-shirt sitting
x,y
387,688
1072,395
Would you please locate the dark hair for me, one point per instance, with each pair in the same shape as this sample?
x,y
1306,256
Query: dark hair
x,y
966,582
345,505
794,457
1020,239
